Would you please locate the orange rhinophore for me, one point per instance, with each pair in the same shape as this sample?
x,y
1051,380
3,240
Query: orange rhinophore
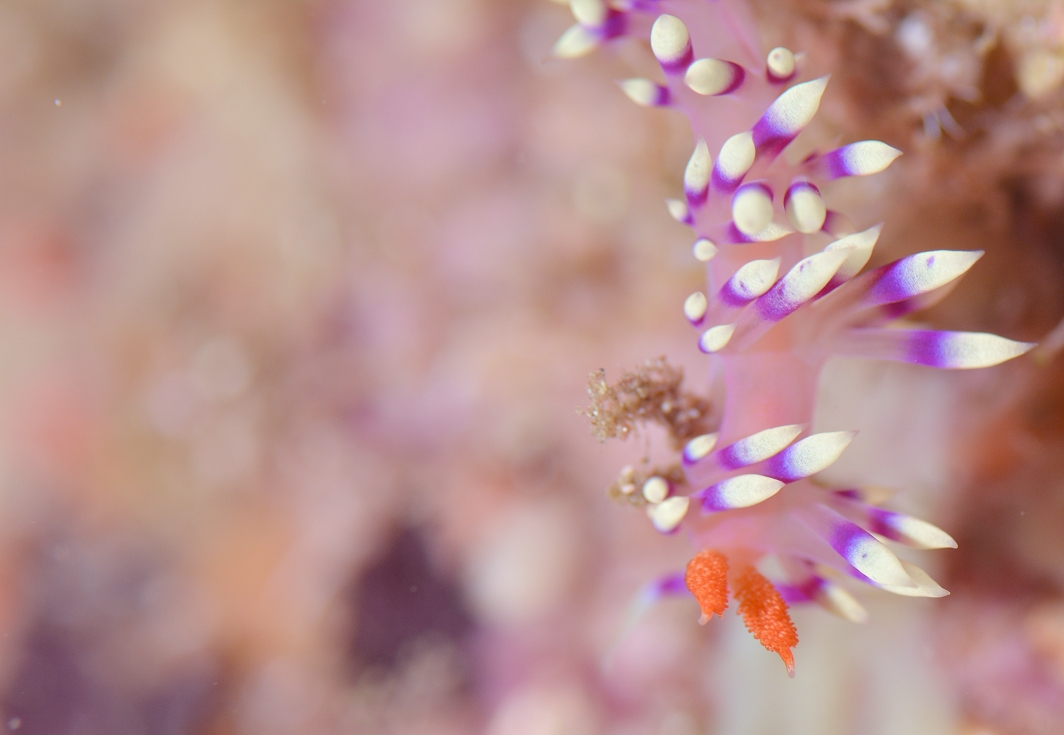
x,y
765,615
707,578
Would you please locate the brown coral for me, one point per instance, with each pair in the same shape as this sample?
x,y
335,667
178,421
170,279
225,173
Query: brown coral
x,y
650,394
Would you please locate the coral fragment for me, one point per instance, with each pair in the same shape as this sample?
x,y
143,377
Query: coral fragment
x,y
651,394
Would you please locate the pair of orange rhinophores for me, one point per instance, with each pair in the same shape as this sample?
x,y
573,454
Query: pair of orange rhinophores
x,y
760,604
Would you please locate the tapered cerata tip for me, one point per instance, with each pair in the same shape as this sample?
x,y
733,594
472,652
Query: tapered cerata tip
x,y
861,245
741,491
575,42
801,284
757,447
921,584
918,274
916,532
589,12
868,555
698,448
948,350
811,455
858,159
645,92
838,601
680,211
696,175
694,308
716,338
788,116
904,528
749,282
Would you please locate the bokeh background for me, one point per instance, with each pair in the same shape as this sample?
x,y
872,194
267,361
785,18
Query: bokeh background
x,y
298,300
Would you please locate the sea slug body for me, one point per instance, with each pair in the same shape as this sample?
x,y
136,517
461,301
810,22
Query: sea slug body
x,y
771,322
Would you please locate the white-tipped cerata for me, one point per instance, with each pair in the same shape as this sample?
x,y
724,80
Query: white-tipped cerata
x,y
893,525
871,494
805,207
716,339
781,64
738,492
948,350
669,514
671,43
679,211
918,274
696,175
645,92
788,116
749,282
860,245
655,489
699,448
757,447
735,159
838,224
575,42
858,159
694,307
858,547
910,531
809,456
589,12
922,584
752,208
915,532
800,285
704,250
835,599
874,560
713,76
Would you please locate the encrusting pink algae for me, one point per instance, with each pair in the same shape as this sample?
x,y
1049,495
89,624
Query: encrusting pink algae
x,y
785,291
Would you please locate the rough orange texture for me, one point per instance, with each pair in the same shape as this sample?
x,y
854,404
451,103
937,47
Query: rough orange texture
x,y
707,578
765,615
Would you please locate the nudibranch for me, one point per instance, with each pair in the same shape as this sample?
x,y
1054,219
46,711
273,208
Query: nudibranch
x,y
785,291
